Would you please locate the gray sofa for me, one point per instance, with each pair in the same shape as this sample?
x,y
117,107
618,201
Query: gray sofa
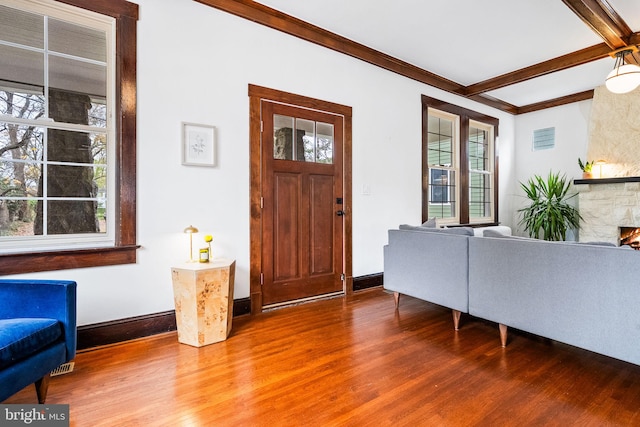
x,y
585,295
429,264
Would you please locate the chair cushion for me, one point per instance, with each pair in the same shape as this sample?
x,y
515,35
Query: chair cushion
x,y
20,338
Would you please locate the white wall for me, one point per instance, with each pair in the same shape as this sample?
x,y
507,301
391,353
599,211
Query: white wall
x,y
571,126
194,65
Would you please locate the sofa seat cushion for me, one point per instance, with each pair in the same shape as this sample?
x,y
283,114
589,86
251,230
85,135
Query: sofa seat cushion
x,y
22,337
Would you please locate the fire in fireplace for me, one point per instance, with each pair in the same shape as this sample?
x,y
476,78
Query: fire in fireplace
x,y
630,236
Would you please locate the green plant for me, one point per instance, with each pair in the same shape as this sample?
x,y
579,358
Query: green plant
x,y
585,167
549,210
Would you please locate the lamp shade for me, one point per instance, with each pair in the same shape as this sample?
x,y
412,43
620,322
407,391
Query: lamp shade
x,y
623,79
190,229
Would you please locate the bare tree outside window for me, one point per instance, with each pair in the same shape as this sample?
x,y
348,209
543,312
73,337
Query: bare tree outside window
x,y
74,168
20,151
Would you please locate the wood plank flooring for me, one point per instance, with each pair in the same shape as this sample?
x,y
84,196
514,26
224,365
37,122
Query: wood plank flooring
x,y
352,361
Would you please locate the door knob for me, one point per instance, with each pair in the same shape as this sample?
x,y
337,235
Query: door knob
x,y
340,213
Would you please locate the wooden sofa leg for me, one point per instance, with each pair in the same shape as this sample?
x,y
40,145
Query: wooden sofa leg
x,y
503,334
396,297
42,386
456,319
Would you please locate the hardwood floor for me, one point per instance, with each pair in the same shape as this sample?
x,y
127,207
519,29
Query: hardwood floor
x,y
351,361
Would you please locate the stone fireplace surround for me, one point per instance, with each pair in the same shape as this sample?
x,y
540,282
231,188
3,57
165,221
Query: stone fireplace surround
x,y
613,200
606,205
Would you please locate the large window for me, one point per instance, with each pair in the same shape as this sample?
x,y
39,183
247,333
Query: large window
x,y
67,194
459,177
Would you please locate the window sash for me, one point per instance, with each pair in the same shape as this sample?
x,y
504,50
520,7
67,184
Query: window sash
x,y
481,197
101,23
443,155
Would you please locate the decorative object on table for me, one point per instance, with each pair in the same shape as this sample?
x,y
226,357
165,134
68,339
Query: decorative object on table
x,y
586,168
204,255
208,238
198,145
203,296
190,230
600,163
549,210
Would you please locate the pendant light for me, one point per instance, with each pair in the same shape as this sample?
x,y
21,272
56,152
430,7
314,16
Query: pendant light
x,y
624,77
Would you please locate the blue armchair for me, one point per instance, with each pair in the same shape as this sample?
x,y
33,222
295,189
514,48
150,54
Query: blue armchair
x,y
37,332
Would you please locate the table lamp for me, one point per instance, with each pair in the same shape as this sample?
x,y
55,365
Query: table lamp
x,y
190,230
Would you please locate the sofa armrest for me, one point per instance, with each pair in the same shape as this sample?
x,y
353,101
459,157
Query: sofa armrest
x,y
432,266
55,299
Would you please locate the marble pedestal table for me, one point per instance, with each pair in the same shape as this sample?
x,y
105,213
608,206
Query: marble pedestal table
x,y
203,295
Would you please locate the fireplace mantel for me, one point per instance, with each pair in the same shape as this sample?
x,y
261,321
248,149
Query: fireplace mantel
x,y
618,180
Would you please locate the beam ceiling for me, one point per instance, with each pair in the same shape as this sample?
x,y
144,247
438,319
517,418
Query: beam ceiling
x,y
597,14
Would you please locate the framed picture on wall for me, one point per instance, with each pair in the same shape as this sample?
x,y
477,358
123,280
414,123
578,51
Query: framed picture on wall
x,y
198,144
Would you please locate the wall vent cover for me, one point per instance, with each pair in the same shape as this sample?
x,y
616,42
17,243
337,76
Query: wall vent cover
x,y
544,139
65,368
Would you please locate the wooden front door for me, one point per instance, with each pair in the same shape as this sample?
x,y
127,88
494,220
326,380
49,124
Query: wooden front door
x,y
302,203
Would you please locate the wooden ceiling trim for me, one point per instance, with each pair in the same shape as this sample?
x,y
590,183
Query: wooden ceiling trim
x,y
573,59
598,14
569,99
495,103
277,20
613,15
603,20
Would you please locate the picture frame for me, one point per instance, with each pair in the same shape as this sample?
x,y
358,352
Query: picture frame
x,y
198,144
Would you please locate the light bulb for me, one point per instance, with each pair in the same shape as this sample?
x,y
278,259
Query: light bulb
x,y
623,79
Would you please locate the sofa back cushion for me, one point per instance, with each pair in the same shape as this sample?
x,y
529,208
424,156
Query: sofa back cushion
x,y
462,231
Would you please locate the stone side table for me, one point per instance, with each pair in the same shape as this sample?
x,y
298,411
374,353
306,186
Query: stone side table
x,y
203,295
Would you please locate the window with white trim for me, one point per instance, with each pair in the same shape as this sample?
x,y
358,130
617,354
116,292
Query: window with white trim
x,y
57,148
459,158
442,158
68,124
480,154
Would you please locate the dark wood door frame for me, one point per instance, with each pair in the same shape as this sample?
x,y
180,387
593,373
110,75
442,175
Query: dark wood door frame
x,y
256,95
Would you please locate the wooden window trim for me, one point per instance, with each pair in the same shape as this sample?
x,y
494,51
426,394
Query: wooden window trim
x,y
465,115
124,251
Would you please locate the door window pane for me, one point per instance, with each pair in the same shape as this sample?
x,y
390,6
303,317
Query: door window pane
x,y
311,142
306,130
283,137
324,143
